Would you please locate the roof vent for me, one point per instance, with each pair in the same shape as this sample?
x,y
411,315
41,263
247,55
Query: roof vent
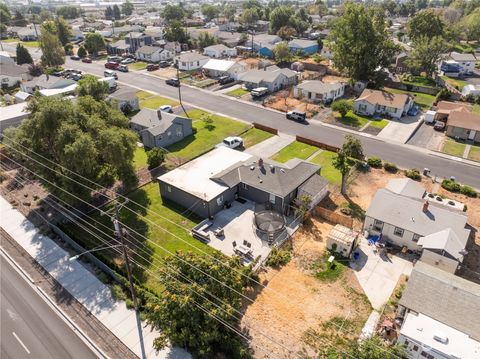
x,y
159,114
272,168
261,181
252,168
440,337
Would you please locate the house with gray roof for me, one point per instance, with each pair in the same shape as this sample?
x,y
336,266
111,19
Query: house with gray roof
x,y
465,62
441,315
318,91
190,61
46,82
157,128
306,47
270,77
123,98
12,74
219,50
153,54
404,215
206,184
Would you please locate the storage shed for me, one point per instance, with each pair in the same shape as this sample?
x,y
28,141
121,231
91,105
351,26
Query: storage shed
x,y
342,240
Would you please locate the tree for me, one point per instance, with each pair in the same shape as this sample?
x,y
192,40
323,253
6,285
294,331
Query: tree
x,y
109,13
342,107
210,11
205,39
5,18
53,54
64,32
127,8
116,12
173,13
279,17
85,136
18,19
229,11
282,53
175,31
343,165
68,12
35,70
286,32
425,23
94,43
249,17
194,302
471,25
352,147
361,45
90,86
23,56
45,15
155,157
373,348
426,54
82,52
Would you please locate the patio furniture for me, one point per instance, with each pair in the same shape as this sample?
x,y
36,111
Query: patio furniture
x,y
249,245
243,249
245,242
219,232
234,243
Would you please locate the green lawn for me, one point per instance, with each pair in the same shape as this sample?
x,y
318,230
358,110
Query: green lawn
x,y
463,48
30,43
474,153
294,150
154,101
330,173
476,109
421,81
136,66
329,272
206,137
458,83
254,136
378,123
140,158
424,100
353,120
453,147
237,92
12,39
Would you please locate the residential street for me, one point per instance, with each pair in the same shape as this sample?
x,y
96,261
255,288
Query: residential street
x,y
402,155
29,327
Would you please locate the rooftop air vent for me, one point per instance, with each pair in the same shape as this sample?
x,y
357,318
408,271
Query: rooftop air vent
x,y
252,168
440,337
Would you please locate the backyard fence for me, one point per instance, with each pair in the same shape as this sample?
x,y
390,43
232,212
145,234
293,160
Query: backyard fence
x,y
409,87
312,66
334,217
321,145
265,128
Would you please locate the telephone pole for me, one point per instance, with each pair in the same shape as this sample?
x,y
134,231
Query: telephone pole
x,y
119,231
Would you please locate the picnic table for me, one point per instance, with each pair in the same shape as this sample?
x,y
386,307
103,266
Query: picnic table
x,y
243,249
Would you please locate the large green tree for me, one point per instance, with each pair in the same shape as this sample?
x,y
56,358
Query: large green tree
x,y
280,17
68,12
192,299
173,13
351,148
210,11
116,12
175,31
19,19
5,18
282,53
127,8
53,53
360,42
471,26
205,39
249,17
87,137
23,56
425,23
64,32
94,43
426,53
90,86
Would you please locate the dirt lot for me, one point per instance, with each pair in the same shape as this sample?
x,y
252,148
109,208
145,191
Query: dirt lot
x,y
284,101
296,308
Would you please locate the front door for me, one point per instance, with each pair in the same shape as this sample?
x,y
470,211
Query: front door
x,y
471,135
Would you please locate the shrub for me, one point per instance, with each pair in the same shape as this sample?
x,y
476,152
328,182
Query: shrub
x,y
342,107
155,157
468,191
374,162
451,186
390,167
414,174
278,257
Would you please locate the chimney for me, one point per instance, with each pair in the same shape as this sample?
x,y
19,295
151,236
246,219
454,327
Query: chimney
x,y
425,207
260,163
159,114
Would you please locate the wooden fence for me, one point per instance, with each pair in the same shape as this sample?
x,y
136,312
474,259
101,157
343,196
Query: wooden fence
x,y
321,145
409,87
265,128
334,217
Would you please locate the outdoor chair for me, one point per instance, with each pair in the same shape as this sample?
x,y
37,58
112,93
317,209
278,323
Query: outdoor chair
x,y
245,242
249,245
234,243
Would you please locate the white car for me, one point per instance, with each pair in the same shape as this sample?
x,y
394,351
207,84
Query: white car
x,y
166,108
232,142
127,61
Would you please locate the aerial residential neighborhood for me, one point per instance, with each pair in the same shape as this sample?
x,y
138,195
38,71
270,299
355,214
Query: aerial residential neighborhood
x,y
240,179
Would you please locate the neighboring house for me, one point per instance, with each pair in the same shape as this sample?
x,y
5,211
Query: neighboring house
x,y
229,26
119,47
125,97
274,80
46,82
375,102
263,44
306,47
11,74
400,63
153,54
218,51
464,125
326,52
404,216
216,68
445,108
231,39
441,315
190,61
466,62
21,96
136,40
473,90
12,115
6,58
262,26
319,91
160,129
29,33
208,183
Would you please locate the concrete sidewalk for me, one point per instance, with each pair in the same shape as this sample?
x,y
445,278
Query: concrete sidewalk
x,y
84,286
399,131
270,146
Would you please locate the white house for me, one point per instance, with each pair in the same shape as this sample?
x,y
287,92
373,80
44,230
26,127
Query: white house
x,y
375,102
466,62
216,68
191,61
153,54
6,58
46,82
274,80
12,74
319,91
470,89
218,51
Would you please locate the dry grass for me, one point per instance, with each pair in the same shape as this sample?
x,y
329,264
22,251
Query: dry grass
x,y
280,103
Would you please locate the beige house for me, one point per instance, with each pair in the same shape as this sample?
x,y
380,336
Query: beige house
x,y
375,102
464,126
342,240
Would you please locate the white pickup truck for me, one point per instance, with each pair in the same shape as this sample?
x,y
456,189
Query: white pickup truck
x,y
232,142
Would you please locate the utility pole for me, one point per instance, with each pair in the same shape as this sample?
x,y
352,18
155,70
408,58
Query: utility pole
x,y
118,230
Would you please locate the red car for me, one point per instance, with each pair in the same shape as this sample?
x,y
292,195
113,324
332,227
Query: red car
x,y
111,65
152,67
87,60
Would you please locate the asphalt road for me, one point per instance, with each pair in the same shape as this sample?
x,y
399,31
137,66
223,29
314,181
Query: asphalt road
x,y
29,327
402,155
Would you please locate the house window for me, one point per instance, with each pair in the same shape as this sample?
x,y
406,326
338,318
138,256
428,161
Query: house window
x,y
362,107
179,132
398,232
377,225
169,189
220,201
184,64
416,237
415,348
272,198
423,354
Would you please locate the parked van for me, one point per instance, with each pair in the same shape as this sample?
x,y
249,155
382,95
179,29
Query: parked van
x,y
110,73
259,91
112,84
429,117
298,116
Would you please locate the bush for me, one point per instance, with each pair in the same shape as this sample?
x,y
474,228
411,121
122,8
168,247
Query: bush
x,y
278,257
342,107
468,191
374,162
390,167
451,186
414,174
155,157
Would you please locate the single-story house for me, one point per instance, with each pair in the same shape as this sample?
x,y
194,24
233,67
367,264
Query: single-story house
x,y
445,108
21,96
231,39
45,82
306,47
216,68
29,33
153,54
125,97
473,90
208,183
218,51
118,47
264,44
136,40
6,58
404,216
319,91
466,62
273,80
464,125
190,61
160,129
441,315
12,74
13,115
375,102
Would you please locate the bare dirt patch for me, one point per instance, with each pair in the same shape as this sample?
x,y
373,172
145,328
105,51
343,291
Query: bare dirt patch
x,y
295,305
284,101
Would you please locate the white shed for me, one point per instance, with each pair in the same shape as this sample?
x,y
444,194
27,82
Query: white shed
x,y
342,240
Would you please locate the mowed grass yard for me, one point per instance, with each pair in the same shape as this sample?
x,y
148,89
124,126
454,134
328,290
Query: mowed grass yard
x,y
294,150
352,120
237,92
330,173
458,83
152,101
474,153
378,123
453,147
136,66
140,158
254,136
425,101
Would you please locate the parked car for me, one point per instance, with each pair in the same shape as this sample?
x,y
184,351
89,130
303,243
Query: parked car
x,y
232,142
164,64
225,80
75,58
58,73
127,61
259,92
114,58
413,111
439,126
173,82
122,68
110,73
298,116
87,60
112,65
110,81
166,108
128,56
76,77
152,67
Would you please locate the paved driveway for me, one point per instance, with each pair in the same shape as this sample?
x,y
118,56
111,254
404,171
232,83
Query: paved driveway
x,y
377,275
427,137
269,147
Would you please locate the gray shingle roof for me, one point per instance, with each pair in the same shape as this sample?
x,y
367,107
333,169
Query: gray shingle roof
x,y
13,70
148,50
217,47
301,43
462,57
191,56
148,118
444,297
317,86
124,94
